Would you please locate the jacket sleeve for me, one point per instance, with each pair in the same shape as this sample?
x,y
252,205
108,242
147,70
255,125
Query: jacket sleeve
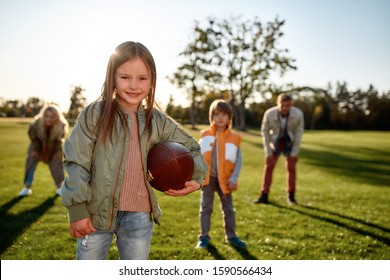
x,y
78,152
237,167
172,131
265,132
298,134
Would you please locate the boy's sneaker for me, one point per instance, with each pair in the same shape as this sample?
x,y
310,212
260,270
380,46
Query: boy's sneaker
x,y
203,243
25,192
58,192
263,198
237,242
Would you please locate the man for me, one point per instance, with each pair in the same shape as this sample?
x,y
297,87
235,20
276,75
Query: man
x,y
282,129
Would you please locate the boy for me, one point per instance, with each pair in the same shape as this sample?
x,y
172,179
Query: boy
x,y
221,150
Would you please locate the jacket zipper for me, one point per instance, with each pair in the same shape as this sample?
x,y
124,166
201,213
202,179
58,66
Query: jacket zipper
x,y
116,179
143,169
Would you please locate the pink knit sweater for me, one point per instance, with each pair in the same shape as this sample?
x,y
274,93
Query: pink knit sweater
x,y
134,196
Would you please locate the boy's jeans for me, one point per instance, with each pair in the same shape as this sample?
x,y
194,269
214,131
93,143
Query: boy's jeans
x,y
133,236
206,209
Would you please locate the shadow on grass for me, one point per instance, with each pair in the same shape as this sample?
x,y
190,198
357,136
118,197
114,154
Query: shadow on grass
x,y
311,212
215,253
387,230
253,142
366,165
252,132
14,225
245,254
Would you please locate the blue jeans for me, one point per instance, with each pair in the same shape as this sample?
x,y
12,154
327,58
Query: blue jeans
x,y
133,236
30,170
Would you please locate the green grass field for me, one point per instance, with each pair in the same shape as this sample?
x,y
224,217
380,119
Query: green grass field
x,y
343,191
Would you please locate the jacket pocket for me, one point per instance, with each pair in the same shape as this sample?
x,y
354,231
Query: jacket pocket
x,y
94,205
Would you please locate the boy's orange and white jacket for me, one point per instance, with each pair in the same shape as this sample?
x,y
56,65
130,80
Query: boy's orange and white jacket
x,y
227,148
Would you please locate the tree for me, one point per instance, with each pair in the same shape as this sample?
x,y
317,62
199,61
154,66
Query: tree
x,y
10,108
195,75
32,107
377,109
248,53
77,102
178,113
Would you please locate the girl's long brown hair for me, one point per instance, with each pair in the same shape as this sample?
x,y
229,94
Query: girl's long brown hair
x,y
110,108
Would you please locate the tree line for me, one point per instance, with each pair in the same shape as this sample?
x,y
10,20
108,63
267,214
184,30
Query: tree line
x,y
233,59
30,108
338,108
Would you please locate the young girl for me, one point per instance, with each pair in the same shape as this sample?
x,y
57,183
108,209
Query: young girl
x,y
46,134
221,150
106,190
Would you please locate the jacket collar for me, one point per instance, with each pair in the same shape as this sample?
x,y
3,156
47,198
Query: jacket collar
x,y
140,110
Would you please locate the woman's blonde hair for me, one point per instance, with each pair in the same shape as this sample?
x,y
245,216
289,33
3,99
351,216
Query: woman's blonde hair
x,y
123,53
220,105
60,125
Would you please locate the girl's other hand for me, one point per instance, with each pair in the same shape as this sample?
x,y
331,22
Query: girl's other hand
x,y
81,228
189,187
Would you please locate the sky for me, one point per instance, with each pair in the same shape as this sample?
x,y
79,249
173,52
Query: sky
x,y
48,46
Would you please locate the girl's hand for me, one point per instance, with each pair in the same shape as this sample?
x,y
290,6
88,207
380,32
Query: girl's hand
x,y
81,228
189,187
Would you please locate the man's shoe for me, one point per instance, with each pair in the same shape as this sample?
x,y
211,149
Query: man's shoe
x,y
263,198
237,242
25,192
291,199
58,192
203,243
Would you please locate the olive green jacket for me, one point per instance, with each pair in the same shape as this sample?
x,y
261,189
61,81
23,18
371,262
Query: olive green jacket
x,y
95,170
